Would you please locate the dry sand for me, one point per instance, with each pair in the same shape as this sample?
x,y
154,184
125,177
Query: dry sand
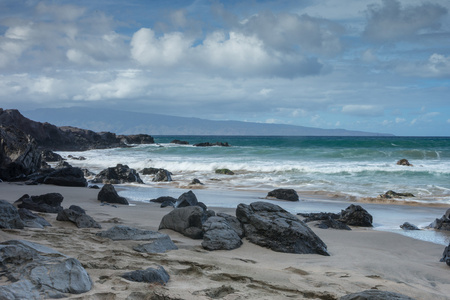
x,y
360,259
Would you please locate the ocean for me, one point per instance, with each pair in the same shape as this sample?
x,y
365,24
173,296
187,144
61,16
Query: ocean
x,y
325,171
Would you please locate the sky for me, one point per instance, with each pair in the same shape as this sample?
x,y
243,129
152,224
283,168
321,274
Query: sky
x,y
370,65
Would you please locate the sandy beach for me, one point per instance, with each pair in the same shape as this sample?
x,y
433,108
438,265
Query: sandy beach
x,y
360,259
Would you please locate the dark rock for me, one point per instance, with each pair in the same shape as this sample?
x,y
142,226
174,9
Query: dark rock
x,y
168,203
375,295
66,138
19,156
270,226
39,272
47,203
446,255
136,139
162,175
443,223
63,164
318,216
150,171
284,194
333,223
32,220
404,162
195,181
159,245
50,156
117,175
224,171
94,187
187,199
121,232
185,220
219,235
409,226
355,215
66,177
87,173
108,194
78,216
76,157
234,223
208,144
9,216
391,194
164,199
179,142
150,275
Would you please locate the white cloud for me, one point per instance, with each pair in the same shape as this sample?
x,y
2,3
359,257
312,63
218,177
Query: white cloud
x,y
437,65
362,109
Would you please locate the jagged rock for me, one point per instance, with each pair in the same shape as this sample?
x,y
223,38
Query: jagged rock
x,y
375,295
224,171
78,216
108,194
117,175
195,181
284,194
333,223
409,226
404,162
136,139
234,223
446,255
39,272
185,220
63,164
443,223
19,156
187,199
162,175
271,226
219,235
47,203
50,156
355,215
32,220
9,216
391,194
150,275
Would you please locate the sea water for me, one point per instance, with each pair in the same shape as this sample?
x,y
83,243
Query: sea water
x,y
340,168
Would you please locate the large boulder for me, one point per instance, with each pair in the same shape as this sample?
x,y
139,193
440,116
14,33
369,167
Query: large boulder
x,y
355,215
67,176
50,156
271,226
219,235
443,223
108,194
77,215
9,216
234,223
19,156
150,275
185,220
162,175
187,199
32,220
446,255
47,203
117,175
375,295
284,194
39,272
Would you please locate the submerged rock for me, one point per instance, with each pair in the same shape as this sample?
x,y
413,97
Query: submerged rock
x,y
409,226
391,194
404,162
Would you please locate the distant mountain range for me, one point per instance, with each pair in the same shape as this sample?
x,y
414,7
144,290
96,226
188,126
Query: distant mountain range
x,y
123,122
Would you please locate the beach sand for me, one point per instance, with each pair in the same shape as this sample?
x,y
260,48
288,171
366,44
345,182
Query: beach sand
x,y
360,259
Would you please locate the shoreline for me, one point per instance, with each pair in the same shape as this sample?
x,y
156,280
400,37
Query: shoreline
x,y
360,259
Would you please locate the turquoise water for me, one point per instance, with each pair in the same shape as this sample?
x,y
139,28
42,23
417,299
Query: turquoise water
x,y
347,167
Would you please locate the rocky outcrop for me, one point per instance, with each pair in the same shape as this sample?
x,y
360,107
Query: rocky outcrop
x,y
219,235
108,194
47,203
50,156
375,295
32,220
271,226
391,194
185,220
179,142
162,175
443,223
150,275
117,175
234,223
404,162
355,215
39,272
283,194
78,216
19,156
208,144
9,216
67,138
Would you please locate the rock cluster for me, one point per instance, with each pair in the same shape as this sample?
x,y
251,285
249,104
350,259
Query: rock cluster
x,y
442,223
117,175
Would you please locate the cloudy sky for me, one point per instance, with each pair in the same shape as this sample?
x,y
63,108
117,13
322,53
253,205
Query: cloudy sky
x,y
372,65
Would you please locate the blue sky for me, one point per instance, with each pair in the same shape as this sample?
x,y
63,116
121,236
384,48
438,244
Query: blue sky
x,y
381,66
